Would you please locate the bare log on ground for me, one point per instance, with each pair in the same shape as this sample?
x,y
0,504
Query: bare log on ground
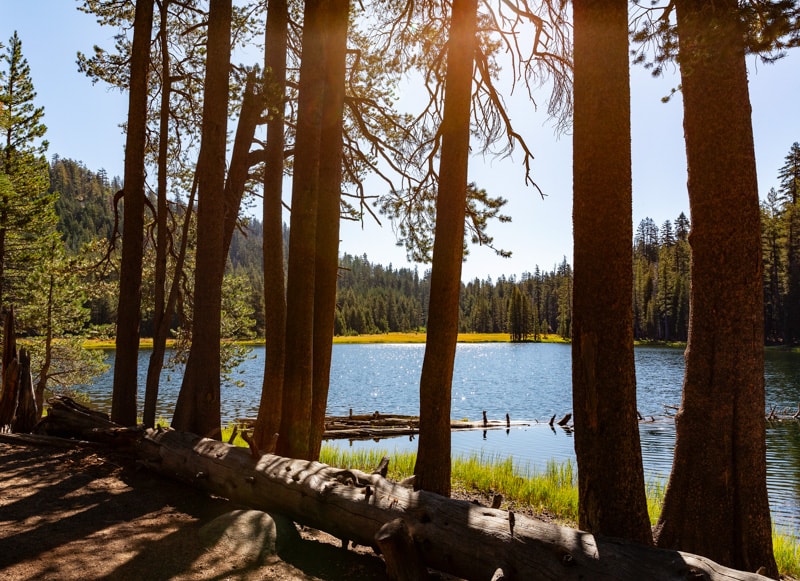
x,y
457,537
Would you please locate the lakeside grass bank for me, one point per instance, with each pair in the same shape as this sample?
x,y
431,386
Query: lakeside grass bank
x,y
553,492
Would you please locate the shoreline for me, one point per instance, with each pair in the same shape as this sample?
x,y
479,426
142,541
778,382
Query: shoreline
x,y
383,338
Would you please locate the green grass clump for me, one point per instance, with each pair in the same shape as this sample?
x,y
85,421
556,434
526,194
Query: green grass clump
x,y
553,491
238,441
655,490
401,464
787,553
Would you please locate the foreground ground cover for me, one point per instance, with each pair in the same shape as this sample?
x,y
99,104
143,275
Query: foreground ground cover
x,y
551,494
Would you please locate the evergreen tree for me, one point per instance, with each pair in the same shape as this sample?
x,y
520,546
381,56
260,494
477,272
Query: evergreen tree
x,y
27,217
789,190
772,252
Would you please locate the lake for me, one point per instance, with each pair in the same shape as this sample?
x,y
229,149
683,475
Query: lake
x,y
529,381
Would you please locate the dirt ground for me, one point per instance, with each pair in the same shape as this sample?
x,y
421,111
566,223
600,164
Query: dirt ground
x,y
79,514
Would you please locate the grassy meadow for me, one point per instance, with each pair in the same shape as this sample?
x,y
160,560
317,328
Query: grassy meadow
x,y
412,337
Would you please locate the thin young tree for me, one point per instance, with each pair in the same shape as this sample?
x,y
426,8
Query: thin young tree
x,y
276,45
432,469
716,501
161,314
126,363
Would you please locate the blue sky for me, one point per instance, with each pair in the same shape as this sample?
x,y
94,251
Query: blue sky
x,y
83,123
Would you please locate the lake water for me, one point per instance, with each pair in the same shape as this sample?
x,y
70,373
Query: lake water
x,y
531,382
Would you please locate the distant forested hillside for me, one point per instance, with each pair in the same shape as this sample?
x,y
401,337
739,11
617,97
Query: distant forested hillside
x,y
375,298
85,202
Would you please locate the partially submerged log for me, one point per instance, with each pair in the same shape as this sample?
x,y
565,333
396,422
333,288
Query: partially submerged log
x,y
783,415
377,425
457,537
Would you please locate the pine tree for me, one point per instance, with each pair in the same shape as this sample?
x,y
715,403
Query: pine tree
x,y
773,240
789,190
27,218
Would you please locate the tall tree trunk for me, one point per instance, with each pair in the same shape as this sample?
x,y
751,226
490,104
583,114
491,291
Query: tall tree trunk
x,y
126,365
198,407
716,501
269,410
330,185
299,356
160,314
432,470
612,501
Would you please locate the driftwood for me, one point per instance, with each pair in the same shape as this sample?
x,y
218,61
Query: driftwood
x,y
783,415
68,418
457,537
377,425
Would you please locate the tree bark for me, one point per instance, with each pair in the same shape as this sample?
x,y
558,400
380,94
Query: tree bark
x,y
9,382
161,314
326,264
299,355
716,500
198,405
454,536
432,469
27,413
126,365
612,498
239,171
270,407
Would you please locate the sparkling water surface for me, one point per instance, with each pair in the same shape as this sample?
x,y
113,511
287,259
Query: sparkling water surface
x,y
531,382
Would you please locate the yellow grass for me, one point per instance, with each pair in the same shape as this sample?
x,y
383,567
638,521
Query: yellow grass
x,y
420,338
413,337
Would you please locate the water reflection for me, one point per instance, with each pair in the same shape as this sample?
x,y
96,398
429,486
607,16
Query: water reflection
x,y
528,382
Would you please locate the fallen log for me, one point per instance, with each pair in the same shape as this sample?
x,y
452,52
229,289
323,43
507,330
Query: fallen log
x,y
377,425
67,418
457,537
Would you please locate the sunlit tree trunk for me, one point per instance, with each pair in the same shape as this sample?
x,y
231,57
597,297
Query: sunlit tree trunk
x,y
294,438
432,470
269,411
126,364
716,501
198,407
612,498
327,241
